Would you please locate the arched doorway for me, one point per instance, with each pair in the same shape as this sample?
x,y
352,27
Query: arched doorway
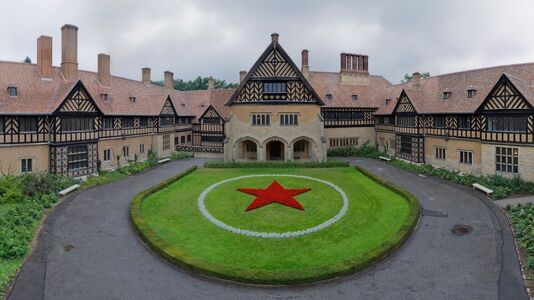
x,y
301,150
275,150
249,150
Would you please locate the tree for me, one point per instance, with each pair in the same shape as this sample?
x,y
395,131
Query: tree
x,y
27,60
408,78
199,83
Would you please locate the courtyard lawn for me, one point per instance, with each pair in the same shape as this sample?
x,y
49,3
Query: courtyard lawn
x,y
378,219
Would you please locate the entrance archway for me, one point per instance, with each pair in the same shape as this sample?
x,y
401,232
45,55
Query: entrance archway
x,y
275,150
249,150
301,150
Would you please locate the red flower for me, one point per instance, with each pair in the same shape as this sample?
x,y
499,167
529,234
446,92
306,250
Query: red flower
x,y
274,193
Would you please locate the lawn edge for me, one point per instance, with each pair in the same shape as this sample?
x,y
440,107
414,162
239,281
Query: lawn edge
x,y
190,263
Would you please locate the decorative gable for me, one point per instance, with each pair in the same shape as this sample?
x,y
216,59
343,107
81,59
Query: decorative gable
x,y
404,105
168,108
504,96
210,112
78,100
274,78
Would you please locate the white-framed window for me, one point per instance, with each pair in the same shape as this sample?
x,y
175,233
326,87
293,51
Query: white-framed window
x,y
289,119
77,157
126,151
26,165
166,142
440,153
466,157
107,154
261,119
141,148
507,159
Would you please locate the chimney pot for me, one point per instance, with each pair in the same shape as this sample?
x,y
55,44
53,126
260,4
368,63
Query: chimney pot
x,y
44,56
169,81
242,75
274,37
211,83
104,74
343,61
69,51
146,75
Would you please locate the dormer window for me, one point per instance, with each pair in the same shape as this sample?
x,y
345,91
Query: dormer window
x,y
328,96
182,104
471,93
12,90
354,97
104,97
132,98
387,101
446,95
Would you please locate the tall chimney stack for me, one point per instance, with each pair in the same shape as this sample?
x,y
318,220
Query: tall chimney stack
x,y
416,78
146,75
169,81
274,38
104,74
211,83
242,75
305,69
69,51
44,56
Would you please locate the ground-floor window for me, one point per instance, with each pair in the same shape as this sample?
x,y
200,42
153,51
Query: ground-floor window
x,y
250,146
299,146
182,139
141,148
343,142
466,157
77,157
126,151
188,138
26,165
406,145
507,159
441,153
107,154
166,142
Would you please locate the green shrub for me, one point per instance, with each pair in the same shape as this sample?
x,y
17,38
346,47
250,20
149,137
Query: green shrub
x,y
277,164
152,159
522,218
181,155
366,150
41,183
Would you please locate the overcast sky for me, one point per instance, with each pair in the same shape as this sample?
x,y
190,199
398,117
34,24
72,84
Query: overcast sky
x,y
219,38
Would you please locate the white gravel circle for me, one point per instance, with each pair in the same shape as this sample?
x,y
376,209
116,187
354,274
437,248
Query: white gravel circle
x,y
288,234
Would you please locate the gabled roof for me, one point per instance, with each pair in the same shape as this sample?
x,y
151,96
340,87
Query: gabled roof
x,y
275,47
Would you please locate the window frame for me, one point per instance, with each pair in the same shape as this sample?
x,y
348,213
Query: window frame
x,y
24,163
465,157
79,159
274,87
260,119
510,157
77,124
440,153
33,124
126,150
109,154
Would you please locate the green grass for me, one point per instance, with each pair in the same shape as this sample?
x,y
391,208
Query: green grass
x,y
8,269
333,163
377,221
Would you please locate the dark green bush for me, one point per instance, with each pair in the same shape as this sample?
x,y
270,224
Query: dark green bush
x,y
41,183
366,150
152,159
181,155
522,218
277,164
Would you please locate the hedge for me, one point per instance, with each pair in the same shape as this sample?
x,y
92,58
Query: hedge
x,y
277,164
192,263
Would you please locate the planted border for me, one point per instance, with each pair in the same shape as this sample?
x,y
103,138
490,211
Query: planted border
x,y
277,164
185,260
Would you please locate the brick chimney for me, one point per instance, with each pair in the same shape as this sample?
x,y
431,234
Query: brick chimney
x,y
305,69
146,76
169,81
211,83
354,69
242,75
274,38
104,74
69,51
416,79
44,56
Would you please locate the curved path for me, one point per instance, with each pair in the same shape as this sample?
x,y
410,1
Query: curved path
x,y
88,250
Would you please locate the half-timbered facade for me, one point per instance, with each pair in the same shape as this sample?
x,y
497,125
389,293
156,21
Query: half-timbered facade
x,y
76,123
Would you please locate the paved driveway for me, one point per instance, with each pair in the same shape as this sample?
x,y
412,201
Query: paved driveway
x,y
88,250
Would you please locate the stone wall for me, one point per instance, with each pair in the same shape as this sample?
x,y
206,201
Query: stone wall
x,y
525,163
11,155
453,147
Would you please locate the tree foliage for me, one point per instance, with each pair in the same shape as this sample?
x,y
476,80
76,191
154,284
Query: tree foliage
x,y
27,60
408,77
199,83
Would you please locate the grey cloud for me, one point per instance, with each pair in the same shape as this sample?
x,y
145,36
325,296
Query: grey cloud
x,y
219,38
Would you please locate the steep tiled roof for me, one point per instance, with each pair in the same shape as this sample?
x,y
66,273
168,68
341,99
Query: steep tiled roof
x,y
428,98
